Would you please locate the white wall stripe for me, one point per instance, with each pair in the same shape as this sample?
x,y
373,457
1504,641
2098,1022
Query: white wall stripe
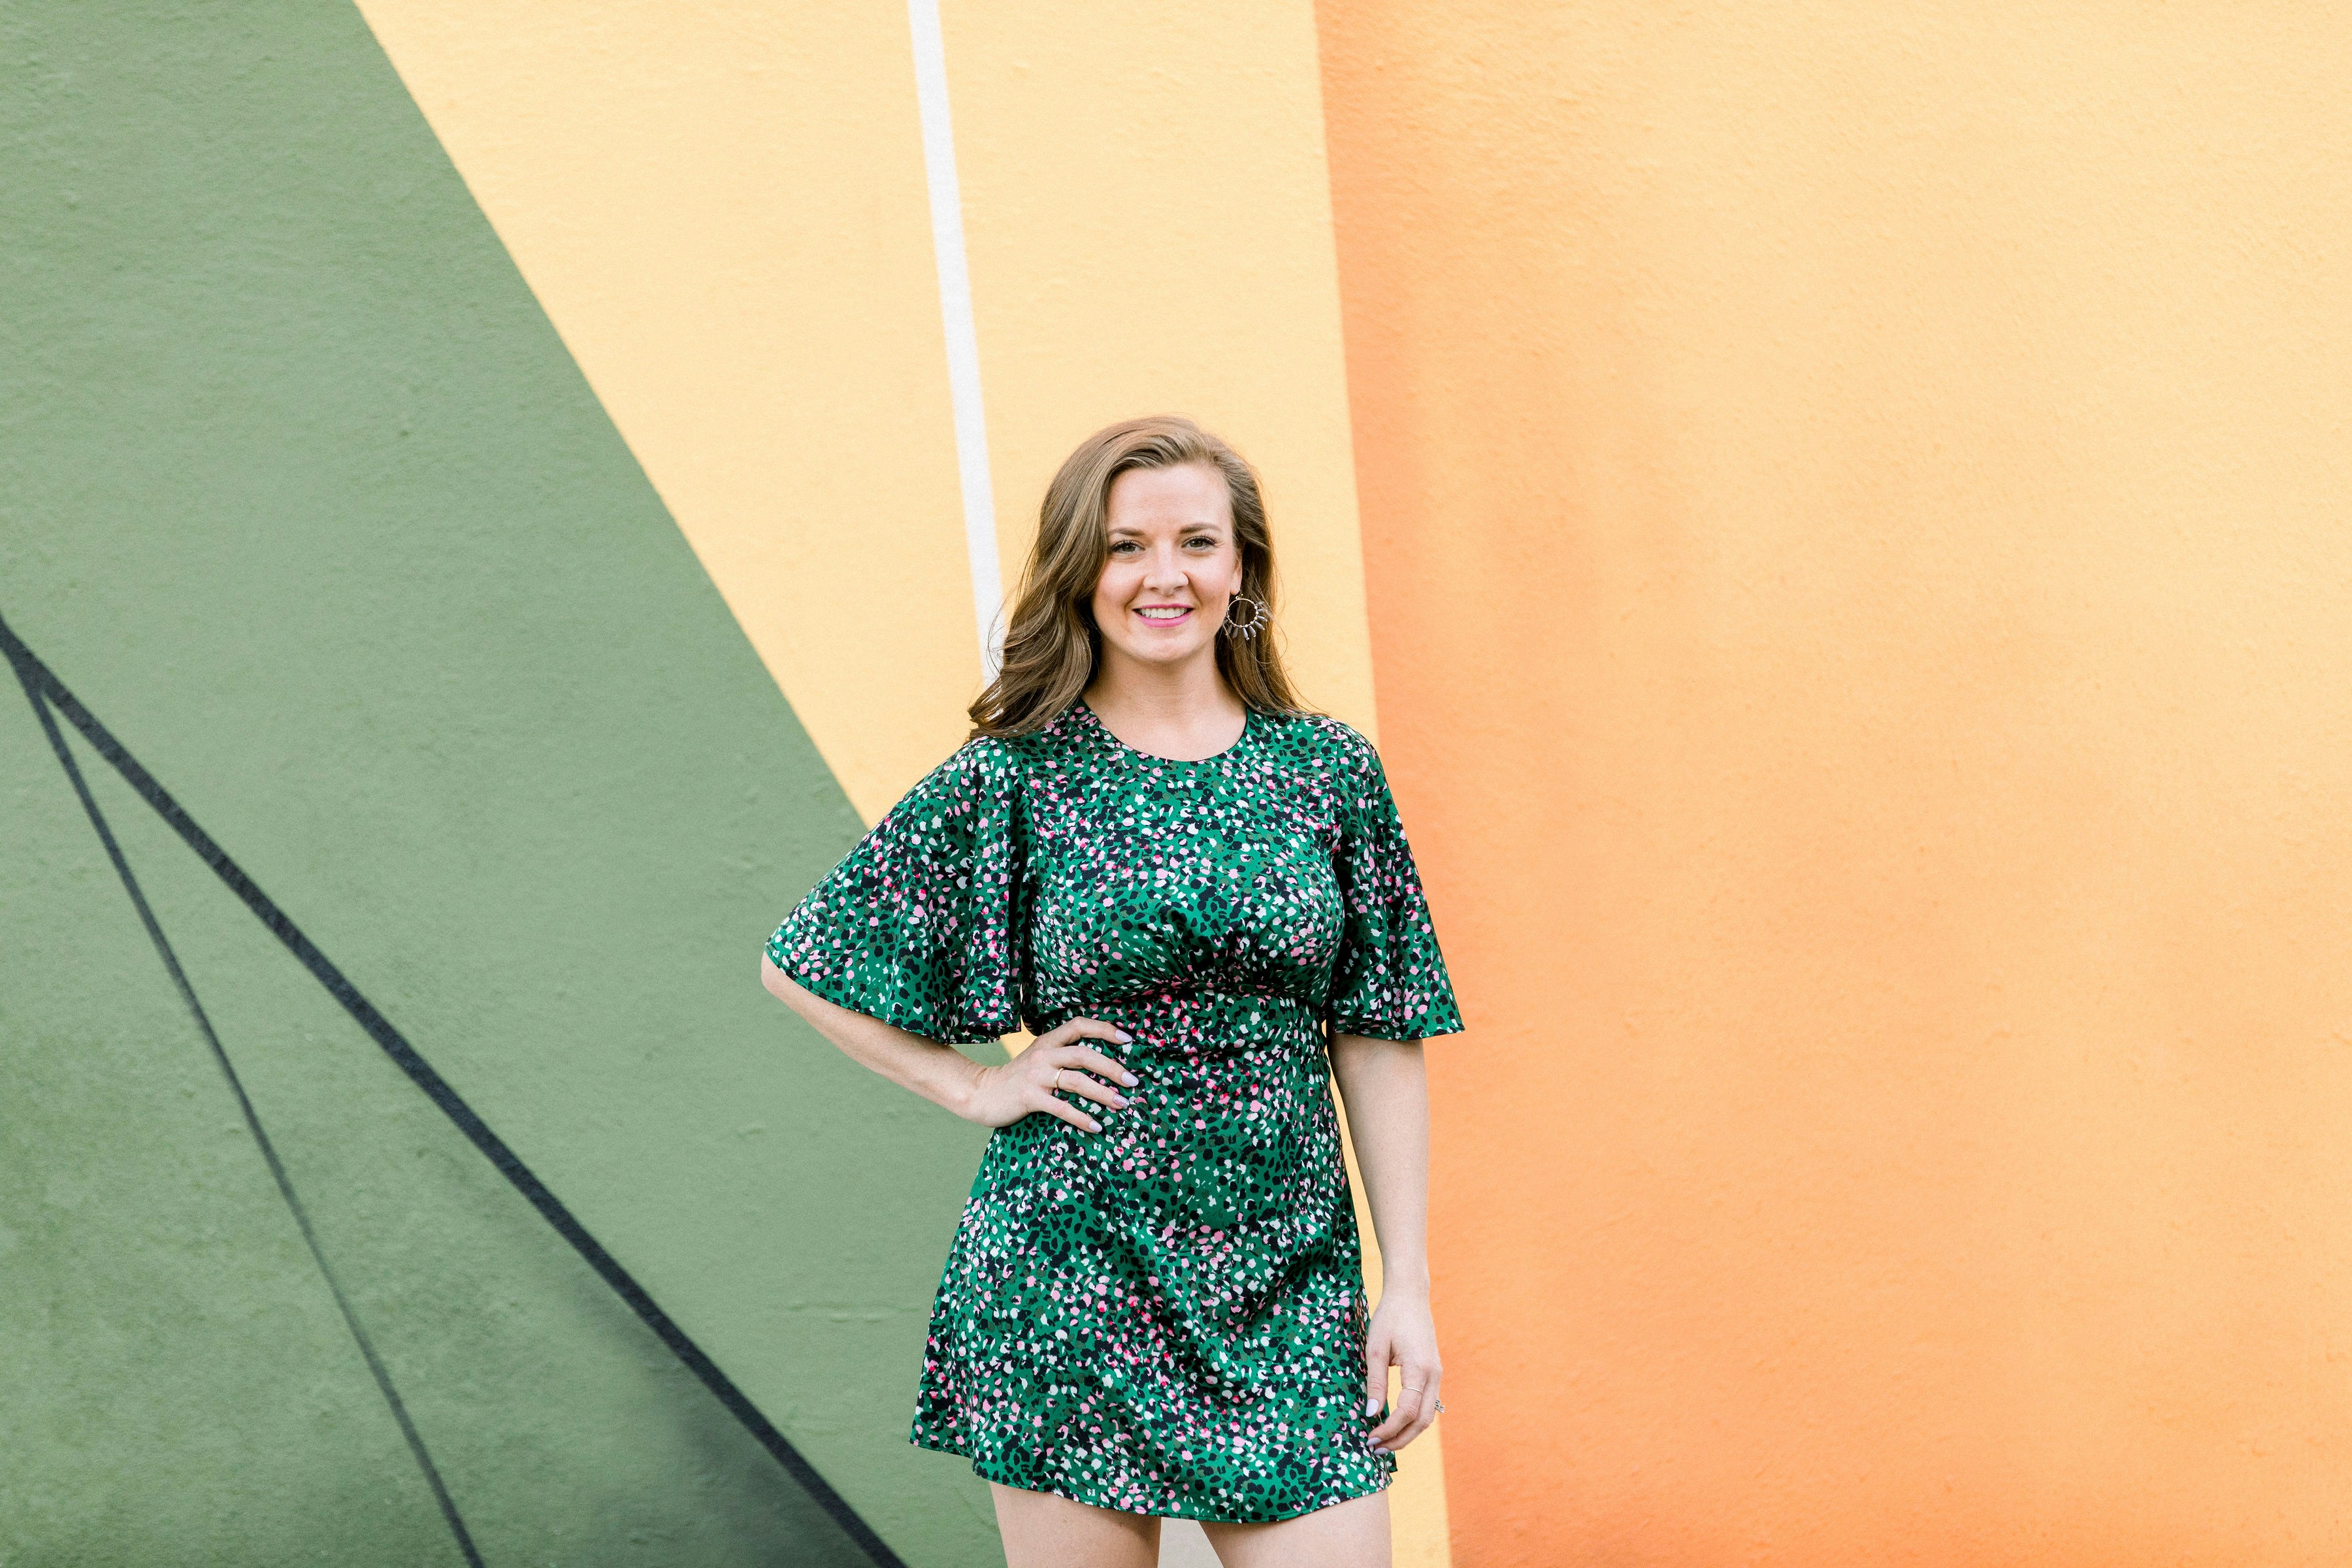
x,y
964,342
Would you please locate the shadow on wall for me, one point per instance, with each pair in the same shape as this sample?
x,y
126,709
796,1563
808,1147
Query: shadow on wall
x,y
543,1399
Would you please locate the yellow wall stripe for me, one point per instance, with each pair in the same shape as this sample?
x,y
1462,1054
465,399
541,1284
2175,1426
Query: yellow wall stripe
x,y
724,211
1147,216
1147,213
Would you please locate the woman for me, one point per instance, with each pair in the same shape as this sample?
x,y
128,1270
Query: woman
x,y
1198,896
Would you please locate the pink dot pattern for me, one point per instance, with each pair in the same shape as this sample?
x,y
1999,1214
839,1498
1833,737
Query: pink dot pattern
x,y
1167,1317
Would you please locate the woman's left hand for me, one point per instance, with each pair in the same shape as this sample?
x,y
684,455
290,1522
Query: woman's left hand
x,y
1403,1335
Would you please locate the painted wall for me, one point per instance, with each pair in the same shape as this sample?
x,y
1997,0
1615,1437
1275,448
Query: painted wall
x,y
1855,508
1833,512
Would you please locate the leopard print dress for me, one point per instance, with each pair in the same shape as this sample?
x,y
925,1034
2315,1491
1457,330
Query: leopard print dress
x,y
1166,1317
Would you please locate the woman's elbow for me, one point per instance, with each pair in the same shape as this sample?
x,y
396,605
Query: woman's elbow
x,y
774,981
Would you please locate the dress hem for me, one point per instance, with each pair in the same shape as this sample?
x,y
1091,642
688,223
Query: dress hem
x,y
1403,1034
802,972
981,1467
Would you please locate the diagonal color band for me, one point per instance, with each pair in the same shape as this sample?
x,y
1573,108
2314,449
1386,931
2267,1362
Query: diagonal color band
x,y
42,682
277,1172
962,338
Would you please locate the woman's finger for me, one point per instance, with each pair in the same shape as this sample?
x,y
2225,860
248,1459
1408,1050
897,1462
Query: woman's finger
x,y
1062,1046
1426,1411
1070,1080
1086,1058
1400,1416
1052,1105
1071,1030
1071,1068
1416,1401
1376,1372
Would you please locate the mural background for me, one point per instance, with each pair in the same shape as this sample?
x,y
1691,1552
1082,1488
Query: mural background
x,y
1834,514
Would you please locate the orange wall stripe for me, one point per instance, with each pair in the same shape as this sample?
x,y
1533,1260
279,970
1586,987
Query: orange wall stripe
x,y
1854,508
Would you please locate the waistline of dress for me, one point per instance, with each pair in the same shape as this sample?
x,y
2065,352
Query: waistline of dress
x,y
1213,997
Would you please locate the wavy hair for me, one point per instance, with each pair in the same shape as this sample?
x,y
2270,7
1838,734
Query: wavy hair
x,y
1052,646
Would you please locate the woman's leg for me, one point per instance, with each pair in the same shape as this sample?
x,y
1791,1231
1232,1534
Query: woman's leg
x,y
1041,1530
1351,1534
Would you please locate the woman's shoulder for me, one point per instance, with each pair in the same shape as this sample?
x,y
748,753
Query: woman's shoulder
x,y
985,769
1324,744
1001,760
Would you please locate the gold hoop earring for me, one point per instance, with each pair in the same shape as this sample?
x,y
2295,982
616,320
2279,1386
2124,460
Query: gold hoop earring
x,y
1250,627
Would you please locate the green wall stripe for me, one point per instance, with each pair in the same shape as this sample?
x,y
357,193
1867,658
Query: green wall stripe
x,y
53,702
302,494
46,697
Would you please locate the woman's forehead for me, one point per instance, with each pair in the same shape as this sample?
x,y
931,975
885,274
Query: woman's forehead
x,y
1189,494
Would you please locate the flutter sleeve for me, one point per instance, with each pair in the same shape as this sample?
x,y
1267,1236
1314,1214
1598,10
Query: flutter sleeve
x,y
1389,982
916,926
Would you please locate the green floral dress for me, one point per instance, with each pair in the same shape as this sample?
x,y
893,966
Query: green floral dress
x,y
1167,1317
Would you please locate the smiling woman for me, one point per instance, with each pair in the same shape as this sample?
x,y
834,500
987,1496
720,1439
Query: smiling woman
x,y
1170,574
1147,517
1200,898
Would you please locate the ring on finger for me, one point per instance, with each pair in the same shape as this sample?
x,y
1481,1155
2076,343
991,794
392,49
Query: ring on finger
x,y
1058,1078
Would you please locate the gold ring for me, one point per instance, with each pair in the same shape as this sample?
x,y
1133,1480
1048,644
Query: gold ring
x,y
1058,1078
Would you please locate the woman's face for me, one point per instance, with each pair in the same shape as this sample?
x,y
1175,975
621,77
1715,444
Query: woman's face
x,y
1172,565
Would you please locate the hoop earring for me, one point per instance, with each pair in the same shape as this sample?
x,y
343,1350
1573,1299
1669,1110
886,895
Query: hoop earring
x,y
1250,627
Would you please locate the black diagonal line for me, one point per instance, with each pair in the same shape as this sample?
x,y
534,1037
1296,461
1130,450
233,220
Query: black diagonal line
x,y
42,682
252,1120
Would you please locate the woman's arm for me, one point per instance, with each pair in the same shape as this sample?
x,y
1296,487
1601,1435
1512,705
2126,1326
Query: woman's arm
x,y
1386,1093
992,1096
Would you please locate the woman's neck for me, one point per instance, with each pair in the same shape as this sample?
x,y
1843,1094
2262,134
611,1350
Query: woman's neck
x,y
1183,712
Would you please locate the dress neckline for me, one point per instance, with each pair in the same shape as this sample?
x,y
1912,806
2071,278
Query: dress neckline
x,y
1249,727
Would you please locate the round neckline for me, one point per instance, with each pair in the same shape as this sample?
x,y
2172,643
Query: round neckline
x,y
1249,725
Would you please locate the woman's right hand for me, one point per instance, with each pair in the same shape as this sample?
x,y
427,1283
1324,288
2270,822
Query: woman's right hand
x,y
1002,1095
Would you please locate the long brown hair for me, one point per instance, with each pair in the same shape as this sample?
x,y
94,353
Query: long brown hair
x,y
1052,646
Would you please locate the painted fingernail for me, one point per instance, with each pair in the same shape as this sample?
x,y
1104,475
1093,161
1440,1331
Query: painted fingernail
x,y
1129,1079
1371,1407
1092,1125
1122,1036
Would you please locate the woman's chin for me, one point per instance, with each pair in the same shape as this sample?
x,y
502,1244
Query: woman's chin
x,y
1167,648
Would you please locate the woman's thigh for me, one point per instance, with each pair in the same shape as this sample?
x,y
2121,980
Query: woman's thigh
x,y
1041,1530
1351,1534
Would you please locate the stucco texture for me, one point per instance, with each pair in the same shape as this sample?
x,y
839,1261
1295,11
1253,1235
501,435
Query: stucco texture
x,y
1834,513
1853,509
307,502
